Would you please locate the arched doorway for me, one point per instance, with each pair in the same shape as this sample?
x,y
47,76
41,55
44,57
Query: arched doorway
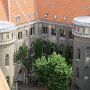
x,y
21,78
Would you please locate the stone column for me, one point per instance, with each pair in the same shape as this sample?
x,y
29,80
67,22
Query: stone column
x,y
57,34
39,29
36,30
49,31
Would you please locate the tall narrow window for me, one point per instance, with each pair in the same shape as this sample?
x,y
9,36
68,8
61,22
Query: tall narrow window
x,y
12,34
62,33
53,31
78,53
32,31
77,73
26,33
44,31
19,35
7,60
70,34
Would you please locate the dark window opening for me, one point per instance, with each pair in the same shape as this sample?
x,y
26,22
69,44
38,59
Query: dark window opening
x,y
70,34
32,31
77,73
19,35
62,33
78,54
53,31
45,30
26,33
7,60
8,80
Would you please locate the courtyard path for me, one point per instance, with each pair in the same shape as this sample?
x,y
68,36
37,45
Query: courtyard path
x,y
24,87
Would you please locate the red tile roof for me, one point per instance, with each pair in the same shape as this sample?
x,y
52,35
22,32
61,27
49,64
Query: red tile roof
x,y
62,8
35,9
3,83
3,14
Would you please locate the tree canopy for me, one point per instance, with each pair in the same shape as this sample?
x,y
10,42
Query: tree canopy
x,y
53,72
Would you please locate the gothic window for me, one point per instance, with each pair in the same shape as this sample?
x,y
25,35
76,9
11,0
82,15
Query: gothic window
x,y
78,53
77,73
7,60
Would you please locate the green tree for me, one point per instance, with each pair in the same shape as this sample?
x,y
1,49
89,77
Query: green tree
x,y
24,54
38,47
66,54
53,72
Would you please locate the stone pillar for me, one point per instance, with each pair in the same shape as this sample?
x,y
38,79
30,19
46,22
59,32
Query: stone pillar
x,y
39,29
36,30
49,31
57,34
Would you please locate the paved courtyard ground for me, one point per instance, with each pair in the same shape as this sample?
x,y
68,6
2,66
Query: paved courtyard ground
x,y
24,87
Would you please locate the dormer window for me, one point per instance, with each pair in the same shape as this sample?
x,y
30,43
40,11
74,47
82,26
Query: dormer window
x,y
65,17
17,18
29,16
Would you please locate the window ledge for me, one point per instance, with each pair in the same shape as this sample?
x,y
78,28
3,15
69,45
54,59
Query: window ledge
x,y
78,60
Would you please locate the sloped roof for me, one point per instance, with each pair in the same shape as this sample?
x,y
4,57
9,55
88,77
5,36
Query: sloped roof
x,y
24,8
3,13
63,8
3,83
30,10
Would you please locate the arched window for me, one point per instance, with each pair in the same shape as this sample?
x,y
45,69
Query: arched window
x,y
7,60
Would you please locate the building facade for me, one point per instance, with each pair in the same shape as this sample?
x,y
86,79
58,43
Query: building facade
x,y
81,60
49,21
